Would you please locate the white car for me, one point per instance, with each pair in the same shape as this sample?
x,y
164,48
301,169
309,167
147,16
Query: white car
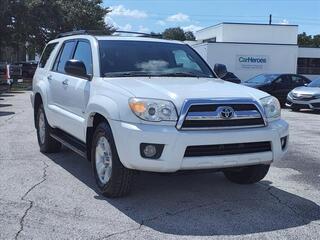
x,y
138,103
307,97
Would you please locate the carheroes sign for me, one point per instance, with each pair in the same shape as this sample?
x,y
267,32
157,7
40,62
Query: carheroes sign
x,y
252,62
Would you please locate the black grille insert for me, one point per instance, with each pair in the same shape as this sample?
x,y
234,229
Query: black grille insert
x,y
213,107
222,123
227,149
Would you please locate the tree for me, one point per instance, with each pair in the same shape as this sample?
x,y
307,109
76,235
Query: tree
x,y
305,40
174,34
52,17
190,36
37,21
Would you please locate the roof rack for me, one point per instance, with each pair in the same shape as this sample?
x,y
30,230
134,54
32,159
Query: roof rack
x,y
102,32
83,32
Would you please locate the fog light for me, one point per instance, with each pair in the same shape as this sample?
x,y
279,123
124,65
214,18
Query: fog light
x,y
283,142
150,150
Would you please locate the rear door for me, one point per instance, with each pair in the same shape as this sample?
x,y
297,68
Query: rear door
x,y
298,81
281,87
57,77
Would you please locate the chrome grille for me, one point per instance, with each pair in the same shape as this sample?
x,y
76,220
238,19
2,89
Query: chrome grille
x,y
207,114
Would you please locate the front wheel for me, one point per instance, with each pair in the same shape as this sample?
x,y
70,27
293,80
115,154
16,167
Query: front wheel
x,y
112,178
247,175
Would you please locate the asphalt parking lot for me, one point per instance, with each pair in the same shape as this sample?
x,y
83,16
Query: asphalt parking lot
x,y
54,196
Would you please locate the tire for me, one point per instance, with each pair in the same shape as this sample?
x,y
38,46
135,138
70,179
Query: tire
x,y
47,144
247,175
113,179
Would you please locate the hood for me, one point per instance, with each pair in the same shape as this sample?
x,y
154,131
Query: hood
x,y
179,89
306,91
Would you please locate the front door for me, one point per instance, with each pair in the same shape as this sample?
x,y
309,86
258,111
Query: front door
x,y
76,91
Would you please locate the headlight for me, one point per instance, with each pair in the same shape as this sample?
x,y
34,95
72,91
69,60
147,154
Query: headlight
x,y
271,107
153,110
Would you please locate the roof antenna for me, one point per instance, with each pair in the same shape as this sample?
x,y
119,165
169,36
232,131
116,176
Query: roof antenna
x,y
270,19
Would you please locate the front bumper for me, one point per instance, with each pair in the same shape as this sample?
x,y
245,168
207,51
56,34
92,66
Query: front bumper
x,y
308,104
129,136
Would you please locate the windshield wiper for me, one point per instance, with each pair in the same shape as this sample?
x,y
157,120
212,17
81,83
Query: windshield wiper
x,y
128,74
183,74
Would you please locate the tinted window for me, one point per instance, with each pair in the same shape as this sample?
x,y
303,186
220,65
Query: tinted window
x,y
283,82
142,58
263,78
64,56
46,54
83,53
297,80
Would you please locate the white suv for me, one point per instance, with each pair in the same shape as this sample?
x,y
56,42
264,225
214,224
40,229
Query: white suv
x,y
137,103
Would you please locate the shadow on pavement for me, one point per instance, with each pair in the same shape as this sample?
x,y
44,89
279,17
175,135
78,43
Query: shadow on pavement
x,y
308,111
6,95
5,105
201,204
2,114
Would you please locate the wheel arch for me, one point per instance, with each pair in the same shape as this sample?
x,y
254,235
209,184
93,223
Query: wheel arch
x,y
38,100
95,118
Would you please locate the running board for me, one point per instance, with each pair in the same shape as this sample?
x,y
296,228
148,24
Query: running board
x,y
70,142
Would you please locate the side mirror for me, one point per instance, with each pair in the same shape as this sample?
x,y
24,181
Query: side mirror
x,y
76,68
220,70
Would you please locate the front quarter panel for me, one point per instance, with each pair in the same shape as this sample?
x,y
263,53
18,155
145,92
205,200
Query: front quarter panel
x,y
109,101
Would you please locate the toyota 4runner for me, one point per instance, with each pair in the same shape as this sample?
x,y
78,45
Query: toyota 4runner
x,y
137,103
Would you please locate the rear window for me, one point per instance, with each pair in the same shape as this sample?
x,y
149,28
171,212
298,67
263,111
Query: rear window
x,y
46,54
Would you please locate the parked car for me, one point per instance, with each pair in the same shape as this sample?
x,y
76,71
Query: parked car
x,y
3,73
278,85
15,72
224,74
306,97
133,103
28,68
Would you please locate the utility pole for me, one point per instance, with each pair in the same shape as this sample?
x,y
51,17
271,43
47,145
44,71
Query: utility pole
x,y
270,19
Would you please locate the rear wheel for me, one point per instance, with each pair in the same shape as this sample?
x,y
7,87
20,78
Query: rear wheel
x,y
46,142
112,178
247,175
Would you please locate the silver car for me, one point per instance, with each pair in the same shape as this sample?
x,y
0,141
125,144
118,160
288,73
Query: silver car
x,y
306,97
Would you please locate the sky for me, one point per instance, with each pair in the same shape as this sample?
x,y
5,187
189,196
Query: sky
x,y
192,15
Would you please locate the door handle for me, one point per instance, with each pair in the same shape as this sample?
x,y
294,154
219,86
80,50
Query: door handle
x,y
65,82
49,78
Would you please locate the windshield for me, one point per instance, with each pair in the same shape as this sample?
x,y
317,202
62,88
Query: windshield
x,y
141,58
263,78
315,83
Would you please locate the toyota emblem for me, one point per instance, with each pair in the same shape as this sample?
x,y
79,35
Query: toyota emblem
x,y
226,112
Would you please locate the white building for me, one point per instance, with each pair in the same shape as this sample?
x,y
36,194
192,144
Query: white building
x,y
250,49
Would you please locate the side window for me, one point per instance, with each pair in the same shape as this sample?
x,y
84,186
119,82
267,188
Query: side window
x,y
46,54
83,53
184,61
283,82
298,81
64,55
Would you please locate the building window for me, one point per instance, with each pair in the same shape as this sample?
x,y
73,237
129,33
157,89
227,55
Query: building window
x,y
310,66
